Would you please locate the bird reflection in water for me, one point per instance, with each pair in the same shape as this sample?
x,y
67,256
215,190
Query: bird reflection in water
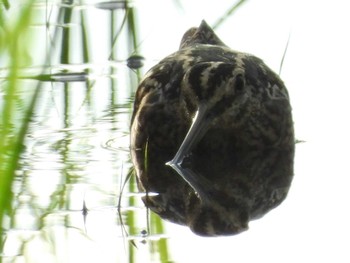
x,y
212,135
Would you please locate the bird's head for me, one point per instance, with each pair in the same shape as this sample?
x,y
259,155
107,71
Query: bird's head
x,y
219,88
203,34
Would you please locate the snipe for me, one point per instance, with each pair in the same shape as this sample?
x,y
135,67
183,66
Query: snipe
x,y
212,136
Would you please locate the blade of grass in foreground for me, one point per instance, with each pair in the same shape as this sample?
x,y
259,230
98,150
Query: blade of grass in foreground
x,y
228,13
12,133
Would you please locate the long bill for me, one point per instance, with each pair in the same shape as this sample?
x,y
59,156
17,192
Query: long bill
x,y
198,129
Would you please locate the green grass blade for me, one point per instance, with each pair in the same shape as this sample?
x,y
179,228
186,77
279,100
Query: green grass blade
x,y
12,135
228,13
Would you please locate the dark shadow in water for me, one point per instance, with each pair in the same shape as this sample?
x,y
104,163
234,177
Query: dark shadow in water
x,y
239,186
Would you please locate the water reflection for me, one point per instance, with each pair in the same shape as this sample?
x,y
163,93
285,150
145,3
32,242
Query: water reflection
x,y
74,195
70,185
135,61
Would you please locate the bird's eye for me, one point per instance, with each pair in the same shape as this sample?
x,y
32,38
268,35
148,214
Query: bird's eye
x,y
239,83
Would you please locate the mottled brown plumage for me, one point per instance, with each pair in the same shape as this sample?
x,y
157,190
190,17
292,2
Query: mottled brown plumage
x,y
212,135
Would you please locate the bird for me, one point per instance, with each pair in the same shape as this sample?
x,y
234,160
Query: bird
x,y
212,136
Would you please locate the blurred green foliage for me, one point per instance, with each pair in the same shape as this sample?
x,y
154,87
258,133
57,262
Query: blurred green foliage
x,y
13,123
